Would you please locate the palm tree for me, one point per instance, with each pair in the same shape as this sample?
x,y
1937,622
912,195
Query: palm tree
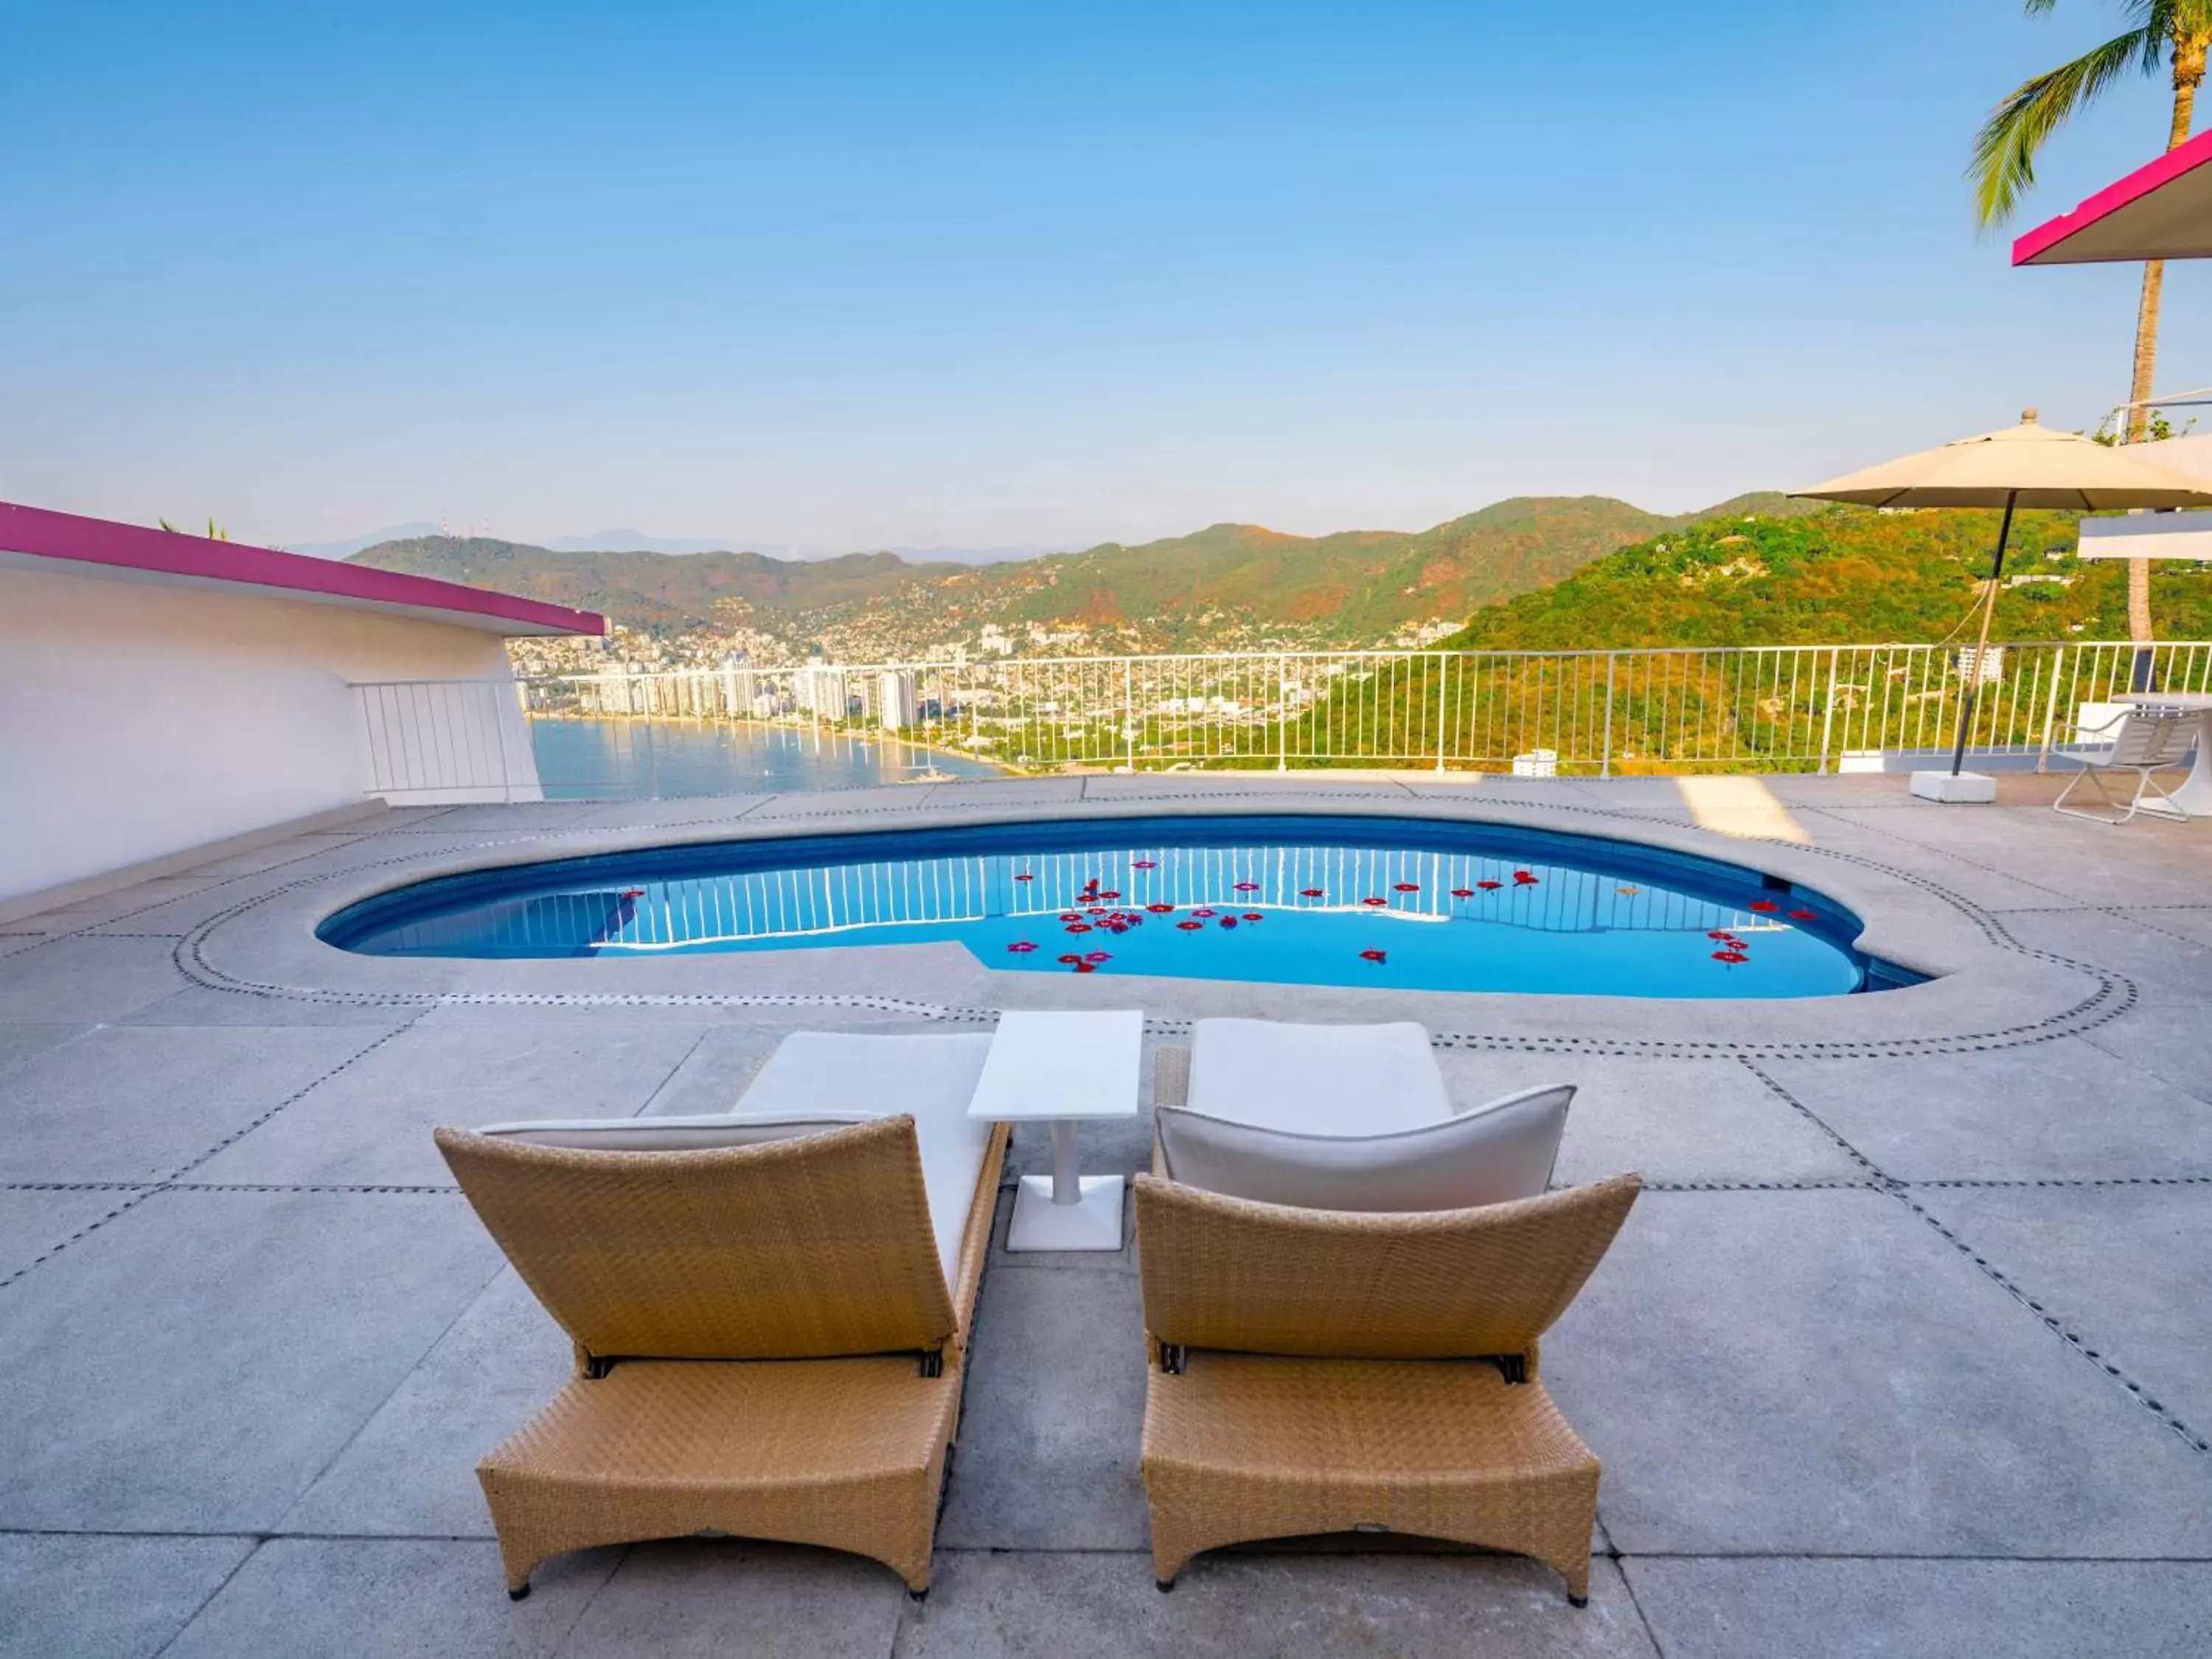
x,y
2168,34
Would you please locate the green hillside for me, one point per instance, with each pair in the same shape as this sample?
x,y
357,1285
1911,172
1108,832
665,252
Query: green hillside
x,y
1226,585
655,590
1842,575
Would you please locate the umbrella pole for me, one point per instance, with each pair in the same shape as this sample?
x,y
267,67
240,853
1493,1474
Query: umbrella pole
x,y
1981,645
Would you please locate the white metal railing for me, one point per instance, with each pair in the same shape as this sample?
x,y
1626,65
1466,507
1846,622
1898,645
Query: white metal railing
x,y
1782,708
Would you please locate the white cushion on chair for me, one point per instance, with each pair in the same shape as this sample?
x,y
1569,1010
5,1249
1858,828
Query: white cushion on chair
x,y
1316,1079
663,1134
1502,1151
820,1081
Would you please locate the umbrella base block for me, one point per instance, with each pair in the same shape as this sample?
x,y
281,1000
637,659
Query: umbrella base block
x,y
1963,787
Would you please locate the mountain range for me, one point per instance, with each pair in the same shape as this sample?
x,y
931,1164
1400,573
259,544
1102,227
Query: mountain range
x,y
1227,585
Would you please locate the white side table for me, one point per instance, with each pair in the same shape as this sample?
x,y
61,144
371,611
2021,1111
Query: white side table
x,y
1059,1068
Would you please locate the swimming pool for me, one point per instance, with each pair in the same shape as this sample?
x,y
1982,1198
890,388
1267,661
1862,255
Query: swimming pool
x,y
1403,903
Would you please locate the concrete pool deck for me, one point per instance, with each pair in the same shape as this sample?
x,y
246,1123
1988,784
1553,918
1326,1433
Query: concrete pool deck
x,y
1905,1350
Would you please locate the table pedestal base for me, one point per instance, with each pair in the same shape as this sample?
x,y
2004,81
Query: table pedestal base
x,y
1093,1222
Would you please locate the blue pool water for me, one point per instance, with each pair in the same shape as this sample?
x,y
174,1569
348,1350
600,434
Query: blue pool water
x,y
1409,904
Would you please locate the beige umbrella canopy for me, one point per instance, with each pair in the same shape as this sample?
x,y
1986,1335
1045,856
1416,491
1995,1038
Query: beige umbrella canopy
x,y
2023,465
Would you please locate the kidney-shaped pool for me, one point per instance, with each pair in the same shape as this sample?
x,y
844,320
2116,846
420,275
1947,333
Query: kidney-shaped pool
x,y
1407,904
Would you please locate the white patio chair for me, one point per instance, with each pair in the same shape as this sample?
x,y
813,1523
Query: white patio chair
x,y
2143,740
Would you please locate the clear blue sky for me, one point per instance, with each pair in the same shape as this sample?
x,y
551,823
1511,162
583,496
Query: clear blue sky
x,y
860,274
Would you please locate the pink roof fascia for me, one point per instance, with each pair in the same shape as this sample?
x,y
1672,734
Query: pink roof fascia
x,y
2121,192
129,549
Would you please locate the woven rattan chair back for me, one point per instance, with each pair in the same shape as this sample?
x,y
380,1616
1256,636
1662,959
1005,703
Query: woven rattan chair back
x,y
1227,1274
803,1249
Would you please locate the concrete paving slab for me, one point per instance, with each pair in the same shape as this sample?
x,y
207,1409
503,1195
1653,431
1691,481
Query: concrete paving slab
x,y
2127,1268
11,944
2173,1044
371,1123
1007,791
708,1597
2166,968
32,1223
84,978
122,908
202,1005
411,1469
195,1363
139,1104
388,1599
1753,1609
1271,1607
1667,1120
2057,1110
1822,1372
1055,1409
104,1598
2192,922
20,1042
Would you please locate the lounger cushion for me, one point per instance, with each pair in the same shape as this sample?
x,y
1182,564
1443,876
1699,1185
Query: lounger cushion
x,y
1316,1079
1492,1153
820,1081
663,1134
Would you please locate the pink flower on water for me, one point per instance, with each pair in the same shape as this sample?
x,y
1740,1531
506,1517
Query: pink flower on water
x,y
1022,946
1248,887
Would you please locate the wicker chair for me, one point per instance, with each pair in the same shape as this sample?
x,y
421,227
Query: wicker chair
x,y
1322,1371
740,1366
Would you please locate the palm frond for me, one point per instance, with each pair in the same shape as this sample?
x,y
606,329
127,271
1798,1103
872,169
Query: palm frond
x,y
2004,150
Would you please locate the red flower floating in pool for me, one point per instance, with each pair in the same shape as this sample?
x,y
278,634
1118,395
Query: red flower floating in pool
x,y
1190,927
1098,956
1462,892
633,892
1161,909
1111,892
1070,915
1254,915
1523,879
1022,946
1375,901
1086,967
1201,914
1247,887
1117,927
1309,892
1722,935
1730,956
1229,921
1078,927
1024,878
1067,958
1803,915
1406,887
1764,906
1144,864
1373,955
1489,886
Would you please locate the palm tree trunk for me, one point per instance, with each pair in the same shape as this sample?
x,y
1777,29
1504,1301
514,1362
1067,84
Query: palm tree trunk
x,y
2188,72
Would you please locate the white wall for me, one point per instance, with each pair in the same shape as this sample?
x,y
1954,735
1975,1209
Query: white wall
x,y
139,720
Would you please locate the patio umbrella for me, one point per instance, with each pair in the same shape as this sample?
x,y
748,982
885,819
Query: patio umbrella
x,y
2023,465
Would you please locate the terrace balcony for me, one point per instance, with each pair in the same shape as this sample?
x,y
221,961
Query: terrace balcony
x,y
1902,1351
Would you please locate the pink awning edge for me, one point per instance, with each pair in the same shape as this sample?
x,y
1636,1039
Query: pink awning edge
x,y
2131,220
164,555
